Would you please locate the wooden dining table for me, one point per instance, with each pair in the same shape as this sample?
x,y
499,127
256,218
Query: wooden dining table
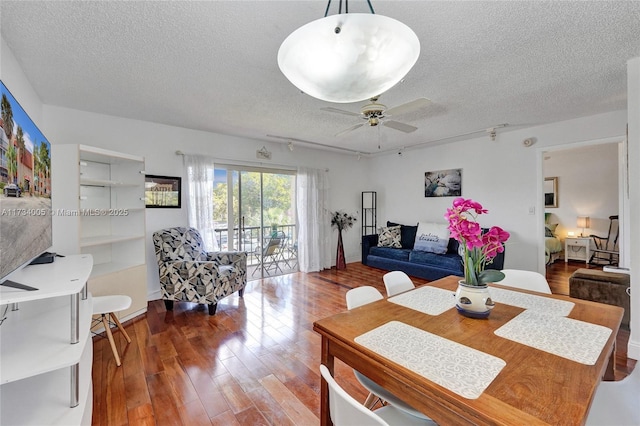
x,y
531,386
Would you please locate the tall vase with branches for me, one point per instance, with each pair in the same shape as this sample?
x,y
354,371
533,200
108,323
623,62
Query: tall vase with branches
x,y
341,221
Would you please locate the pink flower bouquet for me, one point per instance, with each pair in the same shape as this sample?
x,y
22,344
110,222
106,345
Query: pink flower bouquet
x,y
479,249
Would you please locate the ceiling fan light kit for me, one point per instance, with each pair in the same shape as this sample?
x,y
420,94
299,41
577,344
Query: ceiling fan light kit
x,y
375,112
348,57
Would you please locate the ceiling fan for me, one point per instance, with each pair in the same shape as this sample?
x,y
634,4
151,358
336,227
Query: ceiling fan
x,y
374,113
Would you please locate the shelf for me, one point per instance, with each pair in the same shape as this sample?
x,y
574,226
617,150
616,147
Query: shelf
x,y
99,155
105,182
111,267
36,338
44,399
65,276
107,239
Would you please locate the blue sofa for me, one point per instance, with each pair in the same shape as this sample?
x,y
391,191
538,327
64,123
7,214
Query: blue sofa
x,y
429,266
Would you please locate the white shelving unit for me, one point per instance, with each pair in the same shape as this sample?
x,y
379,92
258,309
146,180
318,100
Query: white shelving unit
x,y
369,212
46,350
99,209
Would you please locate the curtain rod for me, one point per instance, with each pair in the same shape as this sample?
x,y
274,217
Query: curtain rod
x,y
248,162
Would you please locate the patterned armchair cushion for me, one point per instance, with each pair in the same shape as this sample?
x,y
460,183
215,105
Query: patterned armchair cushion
x,y
189,273
179,244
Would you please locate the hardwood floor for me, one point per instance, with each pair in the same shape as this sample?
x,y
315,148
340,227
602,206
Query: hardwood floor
x,y
254,363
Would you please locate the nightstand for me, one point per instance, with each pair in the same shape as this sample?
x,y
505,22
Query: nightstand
x,y
577,248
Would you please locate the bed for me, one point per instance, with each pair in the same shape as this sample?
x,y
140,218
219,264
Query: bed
x,y
552,244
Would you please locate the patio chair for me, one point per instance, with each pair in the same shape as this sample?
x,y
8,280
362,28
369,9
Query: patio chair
x,y
271,254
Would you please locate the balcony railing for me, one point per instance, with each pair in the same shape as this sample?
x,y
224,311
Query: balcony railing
x,y
251,242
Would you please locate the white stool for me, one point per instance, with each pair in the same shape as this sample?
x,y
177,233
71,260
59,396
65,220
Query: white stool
x,y
103,305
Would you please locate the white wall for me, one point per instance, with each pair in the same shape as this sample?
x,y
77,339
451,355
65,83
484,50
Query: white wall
x,y
587,186
12,76
503,175
158,144
633,118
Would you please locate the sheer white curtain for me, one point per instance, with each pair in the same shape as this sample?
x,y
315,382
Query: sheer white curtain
x,y
200,197
314,224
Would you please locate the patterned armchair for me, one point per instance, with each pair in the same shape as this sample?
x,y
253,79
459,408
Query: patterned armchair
x,y
189,273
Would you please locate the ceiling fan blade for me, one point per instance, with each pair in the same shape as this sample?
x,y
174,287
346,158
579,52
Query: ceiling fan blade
x,y
350,129
407,128
340,111
408,107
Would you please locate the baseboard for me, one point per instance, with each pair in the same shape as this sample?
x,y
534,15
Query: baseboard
x,y
133,314
156,295
633,350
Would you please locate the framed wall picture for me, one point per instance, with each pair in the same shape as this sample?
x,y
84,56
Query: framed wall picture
x,y
550,190
443,183
162,191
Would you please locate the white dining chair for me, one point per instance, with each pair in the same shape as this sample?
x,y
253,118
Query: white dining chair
x,y
526,280
617,403
357,297
397,282
346,411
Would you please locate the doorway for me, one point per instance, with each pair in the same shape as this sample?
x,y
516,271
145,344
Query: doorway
x,y
254,211
590,187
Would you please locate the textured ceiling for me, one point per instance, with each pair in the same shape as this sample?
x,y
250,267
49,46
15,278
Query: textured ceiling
x,y
211,65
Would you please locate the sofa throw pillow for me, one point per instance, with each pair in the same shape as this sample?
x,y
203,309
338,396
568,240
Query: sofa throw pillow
x,y
389,237
407,234
547,232
552,228
432,237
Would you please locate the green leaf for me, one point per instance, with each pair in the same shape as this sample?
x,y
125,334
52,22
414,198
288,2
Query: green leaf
x,y
470,272
490,276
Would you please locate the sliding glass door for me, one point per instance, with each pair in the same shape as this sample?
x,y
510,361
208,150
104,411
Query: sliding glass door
x,y
254,211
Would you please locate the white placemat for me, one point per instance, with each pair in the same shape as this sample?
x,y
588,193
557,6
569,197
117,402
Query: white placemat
x,y
426,299
461,369
566,337
542,304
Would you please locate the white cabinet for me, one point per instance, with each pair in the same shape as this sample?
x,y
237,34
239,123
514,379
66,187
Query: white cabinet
x,y
46,349
98,207
577,248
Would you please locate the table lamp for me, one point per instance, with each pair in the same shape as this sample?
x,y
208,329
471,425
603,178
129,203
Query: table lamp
x,y
583,222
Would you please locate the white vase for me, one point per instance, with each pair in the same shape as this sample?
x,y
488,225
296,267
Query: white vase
x,y
473,301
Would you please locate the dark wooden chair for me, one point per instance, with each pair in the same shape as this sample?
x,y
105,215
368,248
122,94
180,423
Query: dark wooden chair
x,y
606,250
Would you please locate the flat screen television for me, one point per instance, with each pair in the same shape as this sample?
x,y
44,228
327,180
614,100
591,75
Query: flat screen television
x,y
25,188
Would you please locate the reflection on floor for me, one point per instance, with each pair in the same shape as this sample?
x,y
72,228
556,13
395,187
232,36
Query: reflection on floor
x,y
255,362
282,264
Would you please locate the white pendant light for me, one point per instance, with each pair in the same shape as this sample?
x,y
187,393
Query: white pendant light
x,y
348,57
